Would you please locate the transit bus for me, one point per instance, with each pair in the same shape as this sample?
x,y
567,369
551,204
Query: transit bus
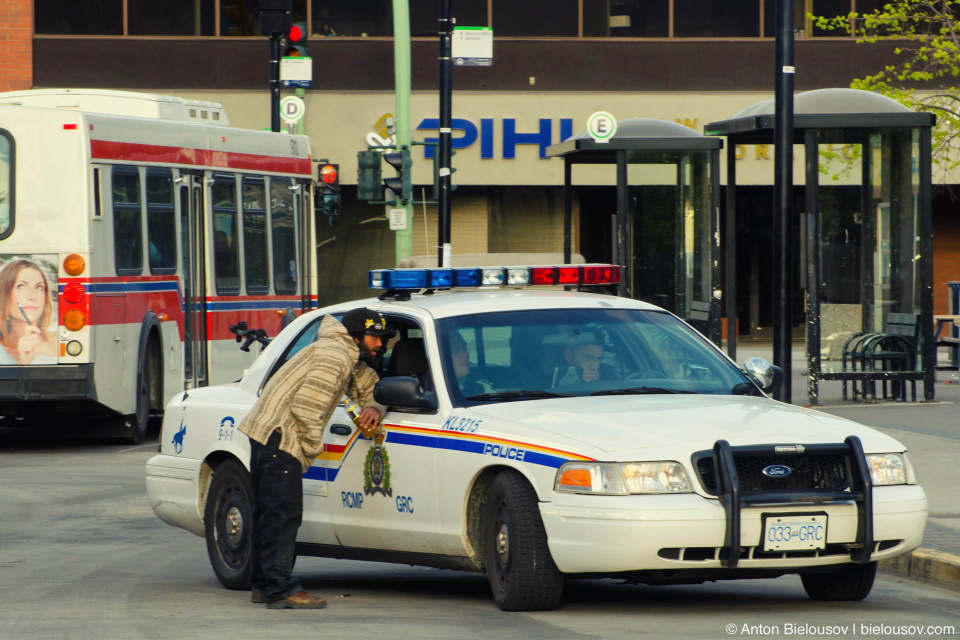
x,y
135,231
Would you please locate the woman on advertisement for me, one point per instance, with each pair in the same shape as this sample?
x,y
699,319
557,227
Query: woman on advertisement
x,y
25,313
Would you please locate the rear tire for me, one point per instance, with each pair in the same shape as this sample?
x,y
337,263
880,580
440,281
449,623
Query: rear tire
x,y
850,582
522,574
150,383
228,521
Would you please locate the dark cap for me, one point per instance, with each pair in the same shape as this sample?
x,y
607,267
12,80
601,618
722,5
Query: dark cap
x,y
364,320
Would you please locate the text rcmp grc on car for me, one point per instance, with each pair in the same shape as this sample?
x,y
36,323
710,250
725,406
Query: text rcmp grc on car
x,y
583,435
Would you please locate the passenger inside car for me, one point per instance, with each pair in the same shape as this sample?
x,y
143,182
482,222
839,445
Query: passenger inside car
x,y
470,384
583,362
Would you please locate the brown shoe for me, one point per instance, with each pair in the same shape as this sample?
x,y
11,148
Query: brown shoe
x,y
302,600
257,598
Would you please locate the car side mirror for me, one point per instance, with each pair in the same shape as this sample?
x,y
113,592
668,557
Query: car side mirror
x,y
404,392
766,376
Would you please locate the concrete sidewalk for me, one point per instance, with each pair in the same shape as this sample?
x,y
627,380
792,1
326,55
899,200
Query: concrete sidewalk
x,y
931,433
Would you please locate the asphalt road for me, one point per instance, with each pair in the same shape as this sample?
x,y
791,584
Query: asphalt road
x,y
83,556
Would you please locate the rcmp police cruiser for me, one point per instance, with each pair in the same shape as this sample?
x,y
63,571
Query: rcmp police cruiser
x,y
667,465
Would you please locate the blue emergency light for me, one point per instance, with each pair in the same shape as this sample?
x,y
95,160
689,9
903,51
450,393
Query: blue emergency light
x,y
478,277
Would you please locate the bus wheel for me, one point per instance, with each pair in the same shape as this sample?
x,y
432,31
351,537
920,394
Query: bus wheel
x,y
147,394
227,519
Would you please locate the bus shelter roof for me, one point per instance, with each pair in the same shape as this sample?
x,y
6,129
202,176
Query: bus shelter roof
x,y
842,113
635,134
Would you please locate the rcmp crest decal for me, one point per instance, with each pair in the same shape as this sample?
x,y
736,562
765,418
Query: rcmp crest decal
x,y
376,469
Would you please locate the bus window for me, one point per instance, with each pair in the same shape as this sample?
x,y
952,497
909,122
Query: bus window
x,y
6,184
127,234
225,258
161,223
283,227
255,236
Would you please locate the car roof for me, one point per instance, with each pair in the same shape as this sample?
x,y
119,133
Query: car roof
x,y
444,304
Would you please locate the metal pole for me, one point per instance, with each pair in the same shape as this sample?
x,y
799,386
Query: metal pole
x,y
783,198
730,295
446,121
275,82
401,120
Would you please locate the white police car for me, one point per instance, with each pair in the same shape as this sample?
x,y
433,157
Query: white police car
x,y
580,435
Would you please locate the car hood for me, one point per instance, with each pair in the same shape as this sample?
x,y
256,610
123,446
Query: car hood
x,y
696,422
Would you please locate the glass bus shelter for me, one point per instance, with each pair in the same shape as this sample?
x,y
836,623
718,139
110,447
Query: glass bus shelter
x,y
867,265
666,238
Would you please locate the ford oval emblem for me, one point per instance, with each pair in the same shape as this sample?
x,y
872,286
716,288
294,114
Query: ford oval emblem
x,y
777,471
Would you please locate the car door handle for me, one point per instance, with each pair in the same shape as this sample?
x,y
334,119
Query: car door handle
x,y
341,430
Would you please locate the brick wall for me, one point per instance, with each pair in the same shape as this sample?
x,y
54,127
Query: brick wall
x,y
946,249
16,45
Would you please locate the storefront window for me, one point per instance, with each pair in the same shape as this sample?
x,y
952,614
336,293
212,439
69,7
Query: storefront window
x,y
171,18
716,19
535,18
626,18
79,17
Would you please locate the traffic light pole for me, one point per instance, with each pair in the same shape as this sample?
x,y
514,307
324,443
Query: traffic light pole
x,y
446,122
401,120
275,82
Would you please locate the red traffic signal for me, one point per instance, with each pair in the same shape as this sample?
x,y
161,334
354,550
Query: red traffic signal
x,y
329,174
296,46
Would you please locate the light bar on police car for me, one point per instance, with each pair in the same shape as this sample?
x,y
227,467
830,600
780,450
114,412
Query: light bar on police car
x,y
475,277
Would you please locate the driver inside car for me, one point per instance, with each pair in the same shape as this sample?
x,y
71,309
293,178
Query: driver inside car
x,y
470,384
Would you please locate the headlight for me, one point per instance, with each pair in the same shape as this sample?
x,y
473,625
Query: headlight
x,y
655,477
623,478
891,468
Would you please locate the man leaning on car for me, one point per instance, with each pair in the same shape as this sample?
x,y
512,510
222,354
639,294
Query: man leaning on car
x,y
285,429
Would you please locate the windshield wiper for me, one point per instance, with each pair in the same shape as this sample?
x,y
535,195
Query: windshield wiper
x,y
638,391
523,394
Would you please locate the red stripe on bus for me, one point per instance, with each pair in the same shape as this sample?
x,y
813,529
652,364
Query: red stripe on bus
x,y
135,152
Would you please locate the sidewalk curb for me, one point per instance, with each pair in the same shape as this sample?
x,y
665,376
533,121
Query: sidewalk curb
x,y
926,565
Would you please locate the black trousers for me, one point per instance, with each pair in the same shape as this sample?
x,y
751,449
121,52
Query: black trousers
x,y
277,485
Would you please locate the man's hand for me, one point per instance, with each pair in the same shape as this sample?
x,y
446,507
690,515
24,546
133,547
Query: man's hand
x,y
369,419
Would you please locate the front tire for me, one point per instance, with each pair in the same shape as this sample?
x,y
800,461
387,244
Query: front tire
x,y
851,582
522,574
228,520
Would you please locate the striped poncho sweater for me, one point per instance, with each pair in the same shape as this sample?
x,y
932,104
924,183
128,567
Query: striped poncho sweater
x,y
301,396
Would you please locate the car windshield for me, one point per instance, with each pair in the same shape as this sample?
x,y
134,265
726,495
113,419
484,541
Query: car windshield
x,y
524,355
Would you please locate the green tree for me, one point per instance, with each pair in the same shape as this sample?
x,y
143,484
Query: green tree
x,y
927,76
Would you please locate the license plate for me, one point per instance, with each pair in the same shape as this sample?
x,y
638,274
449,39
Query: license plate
x,y
794,532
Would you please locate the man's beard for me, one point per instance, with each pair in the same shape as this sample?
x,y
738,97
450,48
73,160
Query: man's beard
x,y
367,355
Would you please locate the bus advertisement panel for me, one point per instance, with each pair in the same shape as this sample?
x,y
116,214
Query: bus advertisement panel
x,y
28,309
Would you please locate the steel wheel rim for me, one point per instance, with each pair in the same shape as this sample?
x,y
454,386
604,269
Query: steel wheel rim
x,y
229,527
500,544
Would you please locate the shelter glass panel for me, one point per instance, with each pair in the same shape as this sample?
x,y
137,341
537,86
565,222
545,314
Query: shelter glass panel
x,y
670,227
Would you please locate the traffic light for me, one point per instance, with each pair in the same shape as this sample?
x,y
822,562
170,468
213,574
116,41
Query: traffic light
x,y
368,175
296,46
329,175
275,16
402,185
436,173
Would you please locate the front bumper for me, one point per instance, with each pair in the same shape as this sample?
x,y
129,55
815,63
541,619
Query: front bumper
x,y
613,534
172,486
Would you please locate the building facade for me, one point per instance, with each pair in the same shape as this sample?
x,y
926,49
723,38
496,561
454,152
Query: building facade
x,y
554,63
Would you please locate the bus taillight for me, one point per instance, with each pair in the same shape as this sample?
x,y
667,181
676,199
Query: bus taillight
x,y
74,320
74,292
74,264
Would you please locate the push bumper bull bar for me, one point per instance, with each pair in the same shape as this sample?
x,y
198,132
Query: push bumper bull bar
x,y
733,499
